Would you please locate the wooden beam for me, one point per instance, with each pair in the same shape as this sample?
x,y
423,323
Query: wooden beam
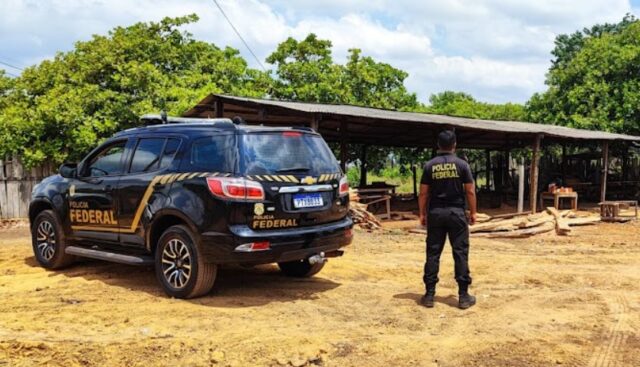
x,y
415,180
487,168
533,176
564,164
521,186
605,168
343,146
219,107
315,122
363,166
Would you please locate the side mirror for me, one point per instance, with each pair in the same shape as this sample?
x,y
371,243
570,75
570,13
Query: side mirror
x,y
68,170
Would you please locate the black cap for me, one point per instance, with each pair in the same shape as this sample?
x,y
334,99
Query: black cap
x,y
446,140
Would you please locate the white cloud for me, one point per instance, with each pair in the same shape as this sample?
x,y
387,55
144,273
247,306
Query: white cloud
x,y
498,50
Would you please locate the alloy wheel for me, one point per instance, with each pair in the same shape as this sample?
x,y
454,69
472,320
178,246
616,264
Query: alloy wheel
x,y
176,263
46,240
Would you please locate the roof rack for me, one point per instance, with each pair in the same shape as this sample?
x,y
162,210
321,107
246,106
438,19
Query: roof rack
x,y
163,119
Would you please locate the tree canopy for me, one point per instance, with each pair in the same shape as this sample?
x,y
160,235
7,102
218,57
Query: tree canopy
x,y
305,71
594,82
464,105
60,108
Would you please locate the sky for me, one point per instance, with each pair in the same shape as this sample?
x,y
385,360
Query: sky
x,y
496,50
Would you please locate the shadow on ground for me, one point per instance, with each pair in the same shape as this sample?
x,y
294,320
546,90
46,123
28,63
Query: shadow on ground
x,y
449,300
235,286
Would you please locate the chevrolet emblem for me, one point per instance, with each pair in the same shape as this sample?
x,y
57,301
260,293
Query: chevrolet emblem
x,y
308,180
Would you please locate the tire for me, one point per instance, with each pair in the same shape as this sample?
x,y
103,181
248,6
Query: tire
x,y
180,268
300,268
48,241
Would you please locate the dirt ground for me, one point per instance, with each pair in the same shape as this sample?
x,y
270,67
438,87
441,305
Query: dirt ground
x,y
542,301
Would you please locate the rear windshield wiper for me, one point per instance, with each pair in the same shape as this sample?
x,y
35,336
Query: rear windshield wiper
x,y
293,169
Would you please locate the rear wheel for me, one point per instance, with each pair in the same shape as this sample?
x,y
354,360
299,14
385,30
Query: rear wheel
x,y
180,268
48,241
300,268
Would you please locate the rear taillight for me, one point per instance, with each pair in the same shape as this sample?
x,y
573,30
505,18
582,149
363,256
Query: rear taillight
x,y
344,186
254,246
235,188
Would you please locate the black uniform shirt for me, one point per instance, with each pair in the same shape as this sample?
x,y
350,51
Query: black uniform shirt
x,y
445,175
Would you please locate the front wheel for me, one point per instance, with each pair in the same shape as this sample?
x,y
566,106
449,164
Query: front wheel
x,y
300,268
48,241
180,268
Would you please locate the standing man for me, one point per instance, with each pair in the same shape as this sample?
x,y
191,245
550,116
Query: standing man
x,y
446,181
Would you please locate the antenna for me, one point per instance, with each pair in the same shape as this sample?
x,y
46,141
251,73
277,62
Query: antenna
x,y
163,117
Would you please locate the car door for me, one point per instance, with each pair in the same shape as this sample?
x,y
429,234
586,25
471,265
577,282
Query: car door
x,y
151,156
92,200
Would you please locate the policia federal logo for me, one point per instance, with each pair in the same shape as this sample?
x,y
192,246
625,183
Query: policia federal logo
x,y
442,171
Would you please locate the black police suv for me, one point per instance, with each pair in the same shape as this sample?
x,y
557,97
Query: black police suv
x,y
187,195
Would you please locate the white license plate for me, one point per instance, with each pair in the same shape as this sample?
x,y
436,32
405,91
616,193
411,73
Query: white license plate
x,y
307,200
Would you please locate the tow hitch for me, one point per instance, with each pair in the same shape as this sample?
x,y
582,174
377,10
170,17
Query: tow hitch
x,y
322,257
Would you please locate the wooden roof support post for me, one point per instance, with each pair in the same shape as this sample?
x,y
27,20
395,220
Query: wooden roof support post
x,y
563,164
343,146
535,161
605,168
487,169
363,165
219,107
315,122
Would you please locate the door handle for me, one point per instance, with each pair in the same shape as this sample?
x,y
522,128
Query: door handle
x,y
107,188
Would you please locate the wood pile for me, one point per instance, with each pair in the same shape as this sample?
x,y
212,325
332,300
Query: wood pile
x,y
526,225
360,215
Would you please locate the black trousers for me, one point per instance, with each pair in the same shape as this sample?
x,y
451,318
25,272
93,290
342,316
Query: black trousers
x,y
440,223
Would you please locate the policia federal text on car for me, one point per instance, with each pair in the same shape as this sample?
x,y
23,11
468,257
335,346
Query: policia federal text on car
x,y
446,181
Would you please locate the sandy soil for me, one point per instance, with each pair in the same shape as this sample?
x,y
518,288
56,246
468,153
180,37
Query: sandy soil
x,y
543,301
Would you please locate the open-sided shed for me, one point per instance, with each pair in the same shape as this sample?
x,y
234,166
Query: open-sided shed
x,y
362,125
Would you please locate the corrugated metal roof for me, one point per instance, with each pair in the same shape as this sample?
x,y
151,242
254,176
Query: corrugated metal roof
x,y
516,127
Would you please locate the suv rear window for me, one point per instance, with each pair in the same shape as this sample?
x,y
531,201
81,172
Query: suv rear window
x,y
288,152
214,153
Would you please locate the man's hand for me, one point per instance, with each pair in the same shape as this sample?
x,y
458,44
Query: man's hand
x,y
423,220
473,217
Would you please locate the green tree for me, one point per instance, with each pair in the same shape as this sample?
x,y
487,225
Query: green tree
x,y
61,108
568,45
598,88
305,71
464,105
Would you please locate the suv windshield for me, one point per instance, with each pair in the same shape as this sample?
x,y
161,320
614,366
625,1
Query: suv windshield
x,y
288,152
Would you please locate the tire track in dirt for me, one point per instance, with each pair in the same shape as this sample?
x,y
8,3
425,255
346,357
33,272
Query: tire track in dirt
x,y
607,354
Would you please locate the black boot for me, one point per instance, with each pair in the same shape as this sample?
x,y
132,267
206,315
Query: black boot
x,y
428,299
465,300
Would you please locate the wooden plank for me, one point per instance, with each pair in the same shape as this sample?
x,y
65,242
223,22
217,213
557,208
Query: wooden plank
x,y
3,200
343,146
510,215
521,187
562,227
13,193
535,161
522,233
605,168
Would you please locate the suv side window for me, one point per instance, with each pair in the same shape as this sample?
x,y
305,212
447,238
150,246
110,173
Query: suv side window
x,y
214,153
147,155
170,150
107,162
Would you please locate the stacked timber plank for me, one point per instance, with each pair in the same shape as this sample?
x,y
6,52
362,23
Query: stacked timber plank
x,y
526,225
360,215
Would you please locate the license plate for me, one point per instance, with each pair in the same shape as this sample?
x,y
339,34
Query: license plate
x,y
307,200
